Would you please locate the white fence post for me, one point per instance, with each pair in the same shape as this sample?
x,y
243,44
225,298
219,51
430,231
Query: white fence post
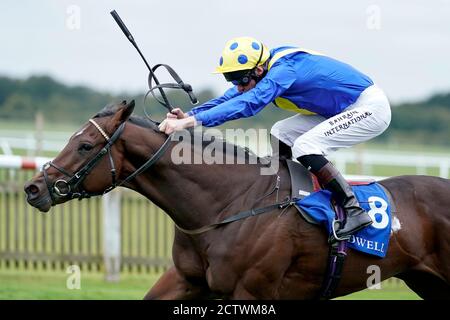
x,y
443,169
111,234
5,147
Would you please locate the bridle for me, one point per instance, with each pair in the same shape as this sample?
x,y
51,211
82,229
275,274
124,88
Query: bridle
x,y
71,188
72,185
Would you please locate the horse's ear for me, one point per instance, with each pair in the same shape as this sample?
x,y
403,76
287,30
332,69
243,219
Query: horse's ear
x,y
124,112
128,110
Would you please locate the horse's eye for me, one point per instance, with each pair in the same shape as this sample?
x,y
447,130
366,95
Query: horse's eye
x,y
84,147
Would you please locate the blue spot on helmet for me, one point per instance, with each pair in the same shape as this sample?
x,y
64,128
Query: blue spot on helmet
x,y
255,45
242,59
221,61
234,45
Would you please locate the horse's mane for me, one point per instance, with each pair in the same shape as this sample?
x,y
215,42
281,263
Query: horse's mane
x,y
146,122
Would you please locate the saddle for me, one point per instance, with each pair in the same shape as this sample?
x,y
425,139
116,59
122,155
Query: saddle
x,y
303,183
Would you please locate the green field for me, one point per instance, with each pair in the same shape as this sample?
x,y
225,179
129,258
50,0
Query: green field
x,y
52,286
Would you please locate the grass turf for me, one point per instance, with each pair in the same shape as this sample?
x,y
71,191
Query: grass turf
x,y
52,286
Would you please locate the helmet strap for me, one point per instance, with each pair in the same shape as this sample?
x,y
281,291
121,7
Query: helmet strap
x,y
253,73
260,55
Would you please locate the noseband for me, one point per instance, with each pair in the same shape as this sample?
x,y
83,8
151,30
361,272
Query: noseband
x,y
70,188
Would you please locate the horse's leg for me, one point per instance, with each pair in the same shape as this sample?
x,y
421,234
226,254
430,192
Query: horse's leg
x,y
426,285
174,286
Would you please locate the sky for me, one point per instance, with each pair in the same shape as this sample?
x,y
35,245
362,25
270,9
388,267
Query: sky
x,y
403,45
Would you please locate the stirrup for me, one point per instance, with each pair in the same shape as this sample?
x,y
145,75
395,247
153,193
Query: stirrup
x,y
334,237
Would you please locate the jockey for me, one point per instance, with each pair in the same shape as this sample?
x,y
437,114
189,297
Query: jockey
x,y
336,107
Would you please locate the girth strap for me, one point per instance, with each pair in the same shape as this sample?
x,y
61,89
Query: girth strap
x,y
239,216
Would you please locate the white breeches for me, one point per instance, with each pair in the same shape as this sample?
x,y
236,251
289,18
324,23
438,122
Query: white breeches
x,y
363,120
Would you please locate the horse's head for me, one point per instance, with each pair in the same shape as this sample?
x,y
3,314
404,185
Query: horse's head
x,y
70,175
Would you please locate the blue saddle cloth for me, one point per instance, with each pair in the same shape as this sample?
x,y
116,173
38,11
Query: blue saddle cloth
x,y
373,239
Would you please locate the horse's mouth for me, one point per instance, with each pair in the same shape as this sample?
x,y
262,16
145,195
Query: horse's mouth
x,y
42,203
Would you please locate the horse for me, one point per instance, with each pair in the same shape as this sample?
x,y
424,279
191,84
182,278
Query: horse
x,y
275,255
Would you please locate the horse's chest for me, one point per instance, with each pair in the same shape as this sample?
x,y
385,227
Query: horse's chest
x,y
226,272
220,277
221,273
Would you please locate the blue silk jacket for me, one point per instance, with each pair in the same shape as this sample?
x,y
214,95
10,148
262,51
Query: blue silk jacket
x,y
298,80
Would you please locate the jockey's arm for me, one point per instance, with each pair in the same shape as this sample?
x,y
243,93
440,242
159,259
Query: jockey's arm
x,y
249,103
177,113
243,105
229,94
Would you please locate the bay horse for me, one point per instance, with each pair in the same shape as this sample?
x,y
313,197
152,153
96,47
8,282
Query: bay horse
x,y
276,255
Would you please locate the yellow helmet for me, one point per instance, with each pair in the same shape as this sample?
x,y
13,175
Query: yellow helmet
x,y
242,53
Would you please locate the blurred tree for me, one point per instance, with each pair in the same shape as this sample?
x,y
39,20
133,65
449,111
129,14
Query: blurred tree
x,y
17,106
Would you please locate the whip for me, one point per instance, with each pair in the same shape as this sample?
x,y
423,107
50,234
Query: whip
x,y
152,77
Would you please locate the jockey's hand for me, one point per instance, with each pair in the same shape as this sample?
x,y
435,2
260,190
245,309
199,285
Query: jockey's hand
x,y
169,126
176,113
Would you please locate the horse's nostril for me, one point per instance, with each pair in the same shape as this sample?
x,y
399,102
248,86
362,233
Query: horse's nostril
x,y
32,189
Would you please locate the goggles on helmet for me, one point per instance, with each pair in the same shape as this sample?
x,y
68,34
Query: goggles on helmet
x,y
242,77
239,78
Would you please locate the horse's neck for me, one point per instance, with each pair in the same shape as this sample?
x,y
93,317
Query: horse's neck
x,y
195,194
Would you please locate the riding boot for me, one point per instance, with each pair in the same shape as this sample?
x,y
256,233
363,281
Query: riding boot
x,y
356,218
280,149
